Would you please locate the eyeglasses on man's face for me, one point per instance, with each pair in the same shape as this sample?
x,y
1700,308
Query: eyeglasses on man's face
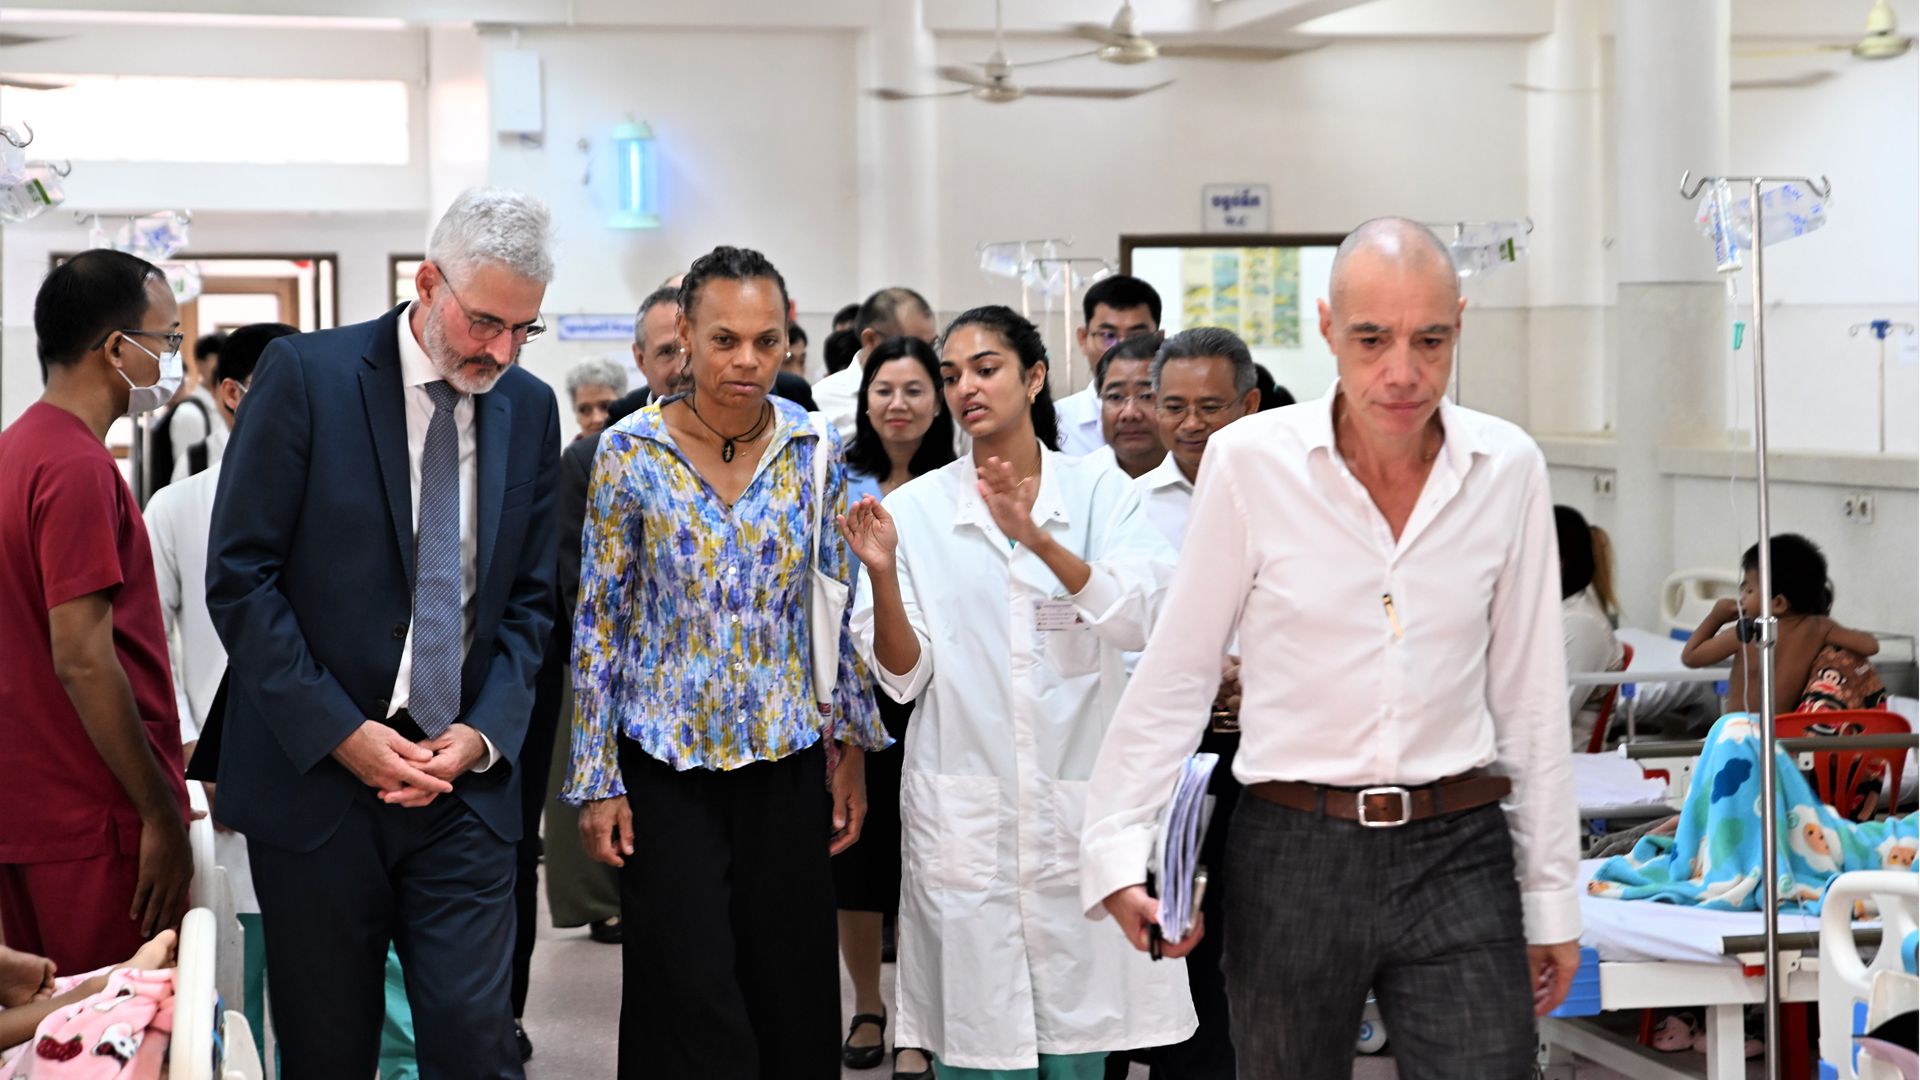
x,y
1208,410
174,339
486,327
1114,399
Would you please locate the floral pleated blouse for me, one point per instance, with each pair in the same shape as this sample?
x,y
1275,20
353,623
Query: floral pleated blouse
x,y
692,637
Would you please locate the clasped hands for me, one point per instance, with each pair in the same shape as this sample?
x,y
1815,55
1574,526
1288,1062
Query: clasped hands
x,y
404,772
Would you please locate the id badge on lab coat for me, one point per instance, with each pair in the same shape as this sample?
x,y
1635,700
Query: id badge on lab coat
x,y
1050,616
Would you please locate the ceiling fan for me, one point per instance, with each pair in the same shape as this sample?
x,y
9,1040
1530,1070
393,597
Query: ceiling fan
x,y
1883,40
992,80
26,84
1121,43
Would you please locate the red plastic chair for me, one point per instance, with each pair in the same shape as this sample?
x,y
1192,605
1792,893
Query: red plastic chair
x,y
1832,769
1598,741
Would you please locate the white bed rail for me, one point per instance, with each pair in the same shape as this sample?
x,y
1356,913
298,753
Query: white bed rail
x,y
1846,980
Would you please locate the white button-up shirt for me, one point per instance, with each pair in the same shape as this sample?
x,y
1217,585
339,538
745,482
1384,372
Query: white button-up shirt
x,y
1462,668
178,519
1168,495
1079,418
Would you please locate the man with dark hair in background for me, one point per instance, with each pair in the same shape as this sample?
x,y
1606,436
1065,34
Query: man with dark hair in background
x,y
796,361
93,815
196,426
1128,427
839,350
890,313
1115,309
845,317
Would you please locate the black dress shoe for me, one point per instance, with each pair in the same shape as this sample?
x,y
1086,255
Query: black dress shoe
x,y
526,1044
606,931
924,1074
864,1057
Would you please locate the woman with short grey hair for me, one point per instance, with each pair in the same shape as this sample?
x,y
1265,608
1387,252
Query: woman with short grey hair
x,y
593,386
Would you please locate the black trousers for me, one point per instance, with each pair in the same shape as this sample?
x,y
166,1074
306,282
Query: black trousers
x,y
1427,915
438,885
536,759
730,961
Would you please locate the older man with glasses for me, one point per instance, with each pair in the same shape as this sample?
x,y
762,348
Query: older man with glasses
x,y
380,569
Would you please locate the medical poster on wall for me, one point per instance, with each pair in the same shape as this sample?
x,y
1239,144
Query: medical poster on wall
x,y
1254,292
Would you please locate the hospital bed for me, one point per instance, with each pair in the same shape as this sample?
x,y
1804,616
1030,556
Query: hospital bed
x,y
1644,955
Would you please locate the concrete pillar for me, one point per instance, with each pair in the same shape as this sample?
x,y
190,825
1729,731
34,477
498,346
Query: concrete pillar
x,y
1566,194
1669,345
898,181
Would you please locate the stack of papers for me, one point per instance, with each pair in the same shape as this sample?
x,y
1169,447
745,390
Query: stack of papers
x,y
1176,862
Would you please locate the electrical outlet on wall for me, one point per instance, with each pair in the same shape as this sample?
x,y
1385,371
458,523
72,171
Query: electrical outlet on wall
x,y
1858,508
1603,485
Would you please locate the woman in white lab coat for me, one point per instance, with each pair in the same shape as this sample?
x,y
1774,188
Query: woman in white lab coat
x,y
1001,592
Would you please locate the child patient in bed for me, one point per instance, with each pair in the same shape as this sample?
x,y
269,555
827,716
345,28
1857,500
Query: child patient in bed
x,y
1808,639
85,1026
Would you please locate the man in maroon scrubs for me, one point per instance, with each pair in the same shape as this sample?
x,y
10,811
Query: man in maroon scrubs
x,y
93,805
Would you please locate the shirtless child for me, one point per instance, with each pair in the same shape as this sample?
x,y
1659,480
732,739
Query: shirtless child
x,y
1802,597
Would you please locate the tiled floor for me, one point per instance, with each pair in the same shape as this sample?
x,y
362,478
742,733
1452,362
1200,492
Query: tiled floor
x,y
573,1012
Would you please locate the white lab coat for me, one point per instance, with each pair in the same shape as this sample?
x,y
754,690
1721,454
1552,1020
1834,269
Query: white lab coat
x,y
998,962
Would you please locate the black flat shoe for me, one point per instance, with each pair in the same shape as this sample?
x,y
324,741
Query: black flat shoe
x,y
606,931
924,1074
864,1057
526,1044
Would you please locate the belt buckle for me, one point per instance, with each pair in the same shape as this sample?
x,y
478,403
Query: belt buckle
x,y
1360,806
1222,722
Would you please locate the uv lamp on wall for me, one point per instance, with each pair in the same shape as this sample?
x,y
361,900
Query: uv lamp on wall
x,y
636,177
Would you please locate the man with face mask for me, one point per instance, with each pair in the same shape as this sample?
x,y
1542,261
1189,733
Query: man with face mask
x,y
93,842
380,569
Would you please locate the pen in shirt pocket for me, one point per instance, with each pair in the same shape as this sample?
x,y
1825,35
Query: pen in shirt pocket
x,y
1393,616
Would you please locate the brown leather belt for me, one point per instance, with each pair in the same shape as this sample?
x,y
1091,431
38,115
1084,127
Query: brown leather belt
x,y
1387,805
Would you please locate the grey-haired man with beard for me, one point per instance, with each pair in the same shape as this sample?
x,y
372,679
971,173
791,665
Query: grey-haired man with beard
x,y
381,572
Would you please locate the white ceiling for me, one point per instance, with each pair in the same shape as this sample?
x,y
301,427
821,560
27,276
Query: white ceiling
x,y
1239,20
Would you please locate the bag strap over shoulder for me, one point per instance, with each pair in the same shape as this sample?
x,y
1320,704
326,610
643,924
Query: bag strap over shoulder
x,y
818,421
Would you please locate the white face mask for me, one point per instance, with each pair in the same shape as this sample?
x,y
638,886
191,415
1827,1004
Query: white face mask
x,y
173,372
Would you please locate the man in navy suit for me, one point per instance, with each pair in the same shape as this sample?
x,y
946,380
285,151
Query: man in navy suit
x,y
381,571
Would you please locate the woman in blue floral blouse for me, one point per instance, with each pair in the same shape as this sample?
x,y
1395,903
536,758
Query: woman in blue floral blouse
x,y
694,703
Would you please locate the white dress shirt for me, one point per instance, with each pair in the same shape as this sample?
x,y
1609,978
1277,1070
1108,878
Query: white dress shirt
x,y
997,963
1587,638
1079,418
1169,498
416,371
1462,670
838,396
178,519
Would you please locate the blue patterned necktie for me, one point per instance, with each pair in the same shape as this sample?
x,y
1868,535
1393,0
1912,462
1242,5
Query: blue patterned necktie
x,y
438,633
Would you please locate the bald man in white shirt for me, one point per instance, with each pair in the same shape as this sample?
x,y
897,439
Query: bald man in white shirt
x,y
1388,561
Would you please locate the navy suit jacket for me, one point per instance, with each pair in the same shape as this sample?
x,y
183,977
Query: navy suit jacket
x,y
310,567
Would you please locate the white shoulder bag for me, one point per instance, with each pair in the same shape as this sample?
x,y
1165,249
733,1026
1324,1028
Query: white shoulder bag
x,y
827,597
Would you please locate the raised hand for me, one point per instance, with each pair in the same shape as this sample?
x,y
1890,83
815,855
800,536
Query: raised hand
x,y
1009,498
869,532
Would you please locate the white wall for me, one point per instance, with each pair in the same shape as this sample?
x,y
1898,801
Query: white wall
x,y
362,241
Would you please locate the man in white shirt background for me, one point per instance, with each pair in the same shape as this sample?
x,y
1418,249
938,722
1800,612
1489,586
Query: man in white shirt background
x,y
1203,380
1124,377
1115,309
1388,561
890,313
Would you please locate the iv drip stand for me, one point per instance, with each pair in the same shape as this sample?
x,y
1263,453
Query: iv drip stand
x,y
1767,625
